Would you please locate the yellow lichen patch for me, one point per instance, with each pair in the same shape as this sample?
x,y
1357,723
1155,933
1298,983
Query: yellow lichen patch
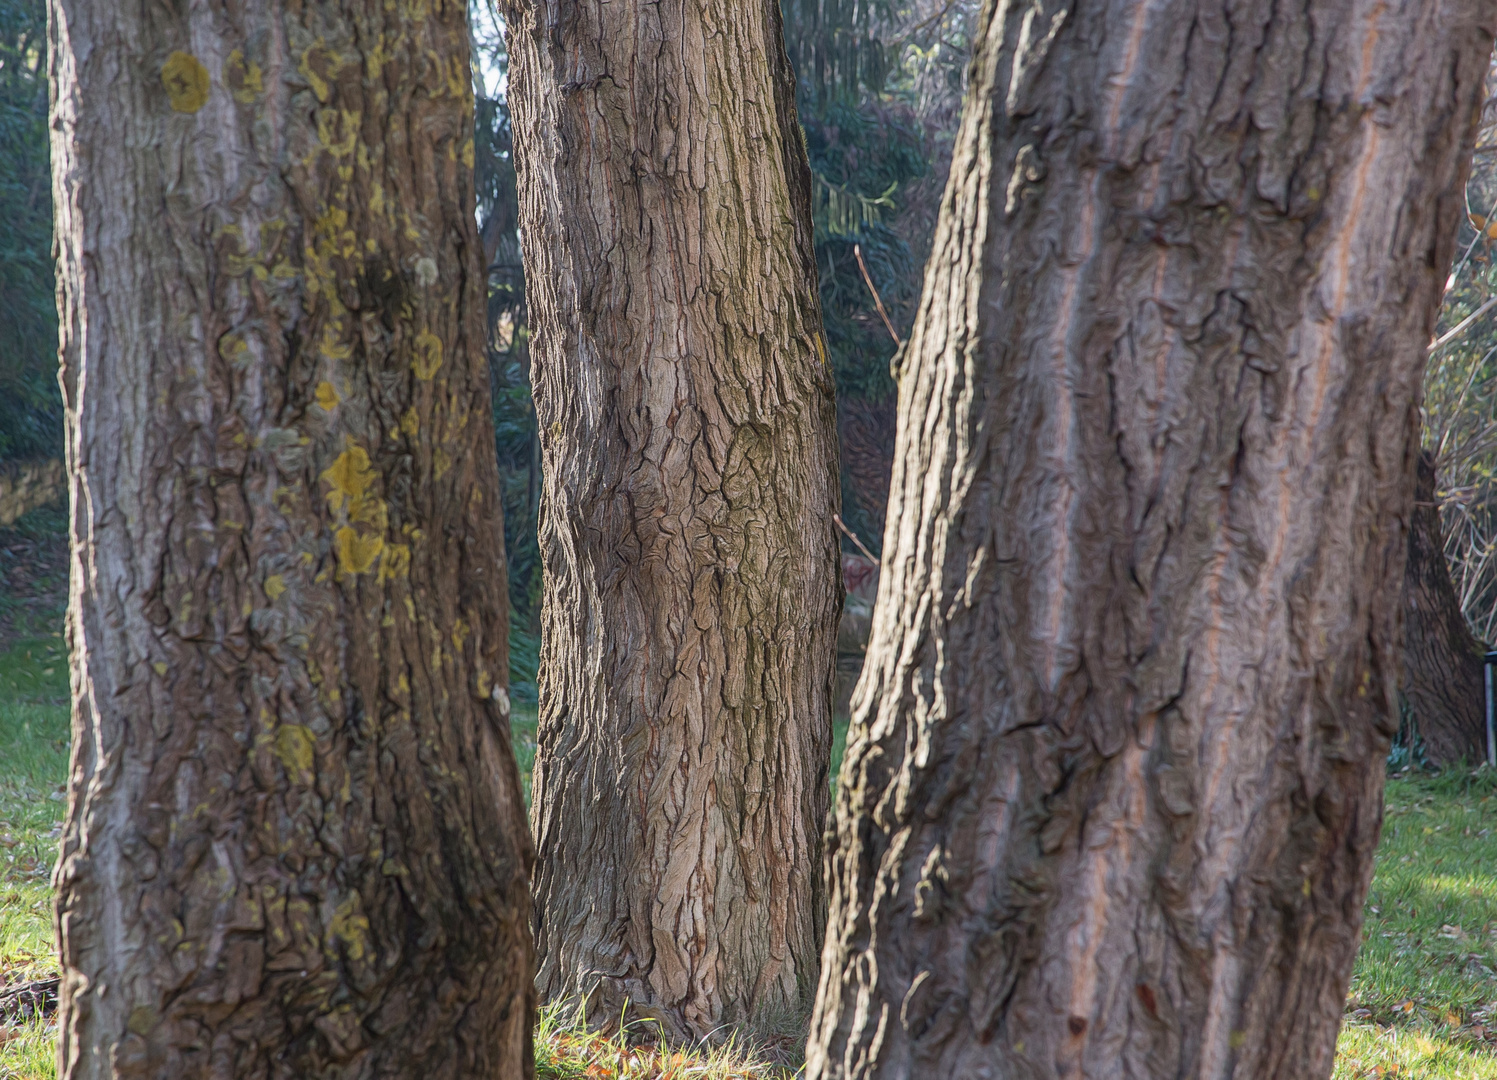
x,y
315,81
357,552
245,81
374,62
142,1020
428,355
351,496
238,262
275,586
459,634
332,237
441,463
186,82
159,668
396,563
327,396
349,476
330,347
234,349
369,509
294,745
410,423
351,927
468,153
456,70
328,124
485,684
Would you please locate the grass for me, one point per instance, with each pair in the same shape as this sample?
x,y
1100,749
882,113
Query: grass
x,y
566,1050
33,769
1423,1000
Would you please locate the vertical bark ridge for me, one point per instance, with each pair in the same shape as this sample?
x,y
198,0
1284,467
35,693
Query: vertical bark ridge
x,y
296,843
1114,778
690,473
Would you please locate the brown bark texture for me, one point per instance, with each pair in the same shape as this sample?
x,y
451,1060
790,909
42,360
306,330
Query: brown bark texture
x,y
296,843
1442,660
689,451
1114,777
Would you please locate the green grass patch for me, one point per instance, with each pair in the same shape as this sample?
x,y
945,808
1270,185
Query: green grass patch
x,y
33,772
1423,999
28,1052
566,1049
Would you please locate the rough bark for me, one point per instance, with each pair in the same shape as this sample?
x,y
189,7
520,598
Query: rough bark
x,y
1442,660
296,843
1115,773
690,478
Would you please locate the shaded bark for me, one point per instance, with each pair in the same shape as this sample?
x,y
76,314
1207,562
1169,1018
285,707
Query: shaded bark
x,y
1442,660
296,843
690,479
1115,772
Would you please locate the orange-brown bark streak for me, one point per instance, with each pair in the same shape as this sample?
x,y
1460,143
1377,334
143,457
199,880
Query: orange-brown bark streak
x,y
1114,777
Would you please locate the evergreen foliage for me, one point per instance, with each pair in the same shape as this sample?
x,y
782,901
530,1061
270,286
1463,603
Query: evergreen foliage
x,y
836,49
865,73
30,401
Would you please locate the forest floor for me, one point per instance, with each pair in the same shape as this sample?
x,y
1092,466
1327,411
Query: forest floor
x,y
1423,1000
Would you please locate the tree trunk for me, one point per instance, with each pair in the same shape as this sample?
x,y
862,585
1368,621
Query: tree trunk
x,y
296,844
1115,773
1442,660
690,478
